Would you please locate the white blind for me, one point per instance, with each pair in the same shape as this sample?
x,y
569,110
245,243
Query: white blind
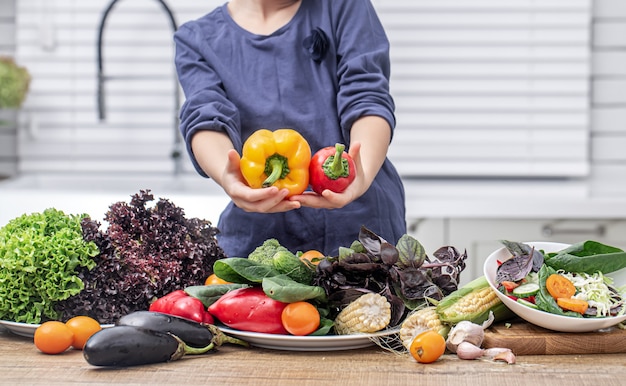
x,y
490,87
482,87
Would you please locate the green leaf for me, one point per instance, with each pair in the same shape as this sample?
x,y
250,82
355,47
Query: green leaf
x,y
544,300
412,252
242,271
208,294
287,290
588,257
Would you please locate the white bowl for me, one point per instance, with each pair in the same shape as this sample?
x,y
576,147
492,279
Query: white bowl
x,y
545,319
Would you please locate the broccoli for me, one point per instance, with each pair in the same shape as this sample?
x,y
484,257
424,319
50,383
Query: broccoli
x,y
280,258
263,254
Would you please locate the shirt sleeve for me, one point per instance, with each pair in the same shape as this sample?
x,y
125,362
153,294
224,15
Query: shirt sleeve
x,y
363,64
206,106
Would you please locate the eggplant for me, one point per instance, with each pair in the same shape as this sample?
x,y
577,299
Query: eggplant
x,y
194,334
133,346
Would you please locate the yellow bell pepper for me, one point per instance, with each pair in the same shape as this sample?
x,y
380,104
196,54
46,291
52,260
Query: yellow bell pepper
x,y
276,158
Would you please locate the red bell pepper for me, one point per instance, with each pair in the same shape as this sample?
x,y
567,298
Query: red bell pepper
x,y
331,168
179,303
249,309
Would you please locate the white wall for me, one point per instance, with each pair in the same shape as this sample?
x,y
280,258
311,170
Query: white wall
x,y
543,82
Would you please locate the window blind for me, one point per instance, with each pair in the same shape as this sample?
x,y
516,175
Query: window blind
x,y
482,88
490,88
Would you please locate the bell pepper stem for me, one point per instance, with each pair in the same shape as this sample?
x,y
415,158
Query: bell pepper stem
x,y
275,169
338,167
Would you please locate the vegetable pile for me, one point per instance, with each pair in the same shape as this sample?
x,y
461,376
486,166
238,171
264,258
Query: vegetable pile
x,y
569,282
368,287
145,253
40,256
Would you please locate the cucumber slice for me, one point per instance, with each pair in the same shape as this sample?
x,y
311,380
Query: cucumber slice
x,y
527,303
526,290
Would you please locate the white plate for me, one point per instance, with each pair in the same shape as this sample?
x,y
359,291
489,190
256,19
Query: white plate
x,y
25,329
545,319
310,343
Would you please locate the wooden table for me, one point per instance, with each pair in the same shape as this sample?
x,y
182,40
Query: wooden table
x,y
21,363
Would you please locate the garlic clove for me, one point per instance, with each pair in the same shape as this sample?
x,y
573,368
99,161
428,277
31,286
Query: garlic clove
x,y
500,354
466,350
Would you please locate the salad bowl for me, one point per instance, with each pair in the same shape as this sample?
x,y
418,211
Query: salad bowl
x,y
545,319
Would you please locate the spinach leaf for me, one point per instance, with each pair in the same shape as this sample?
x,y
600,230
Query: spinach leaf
x,y
324,328
544,300
243,271
588,257
287,290
208,294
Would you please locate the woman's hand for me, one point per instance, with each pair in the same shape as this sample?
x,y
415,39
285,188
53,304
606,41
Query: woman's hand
x,y
220,161
370,137
331,200
263,200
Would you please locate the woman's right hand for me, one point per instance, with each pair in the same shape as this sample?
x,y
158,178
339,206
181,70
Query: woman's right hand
x,y
263,200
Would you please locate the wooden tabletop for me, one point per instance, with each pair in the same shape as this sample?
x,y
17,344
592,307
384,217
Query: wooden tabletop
x,y
22,364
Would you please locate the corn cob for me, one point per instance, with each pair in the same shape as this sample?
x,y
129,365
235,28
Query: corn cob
x,y
473,302
419,321
368,313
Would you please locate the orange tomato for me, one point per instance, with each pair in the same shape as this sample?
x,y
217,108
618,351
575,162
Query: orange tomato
x,y
83,328
53,337
559,286
213,279
300,318
573,304
427,347
313,256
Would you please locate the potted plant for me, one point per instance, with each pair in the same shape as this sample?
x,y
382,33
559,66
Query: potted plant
x,y
14,83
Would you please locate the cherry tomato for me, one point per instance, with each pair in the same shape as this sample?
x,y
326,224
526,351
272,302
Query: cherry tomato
x,y
313,256
300,318
560,287
427,346
53,337
213,279
83,328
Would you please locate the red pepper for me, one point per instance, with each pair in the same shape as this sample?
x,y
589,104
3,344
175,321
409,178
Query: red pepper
x,y
331,168
249,309
179,303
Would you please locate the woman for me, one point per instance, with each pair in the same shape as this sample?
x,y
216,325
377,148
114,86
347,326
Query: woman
x,y
320,67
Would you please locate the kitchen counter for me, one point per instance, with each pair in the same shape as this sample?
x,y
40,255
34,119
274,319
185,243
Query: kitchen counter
x,y
425,198
506,199
22,363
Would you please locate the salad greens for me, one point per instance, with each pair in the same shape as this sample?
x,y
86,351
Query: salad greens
x,y
588,257
40,257
584,264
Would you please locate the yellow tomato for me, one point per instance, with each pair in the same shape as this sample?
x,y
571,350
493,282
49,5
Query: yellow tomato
x,y
213,279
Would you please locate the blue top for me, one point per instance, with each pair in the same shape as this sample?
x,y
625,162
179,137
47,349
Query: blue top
x,y
317,74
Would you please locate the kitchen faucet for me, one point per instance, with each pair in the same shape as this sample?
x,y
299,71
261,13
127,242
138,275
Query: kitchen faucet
x,y
102,78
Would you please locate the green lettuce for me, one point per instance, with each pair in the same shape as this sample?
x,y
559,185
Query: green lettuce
x,y
40,255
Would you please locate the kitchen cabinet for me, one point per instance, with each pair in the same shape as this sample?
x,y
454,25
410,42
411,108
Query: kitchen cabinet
x,y
480,237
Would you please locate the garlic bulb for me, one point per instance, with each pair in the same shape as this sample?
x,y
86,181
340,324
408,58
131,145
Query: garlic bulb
x,y
465,331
